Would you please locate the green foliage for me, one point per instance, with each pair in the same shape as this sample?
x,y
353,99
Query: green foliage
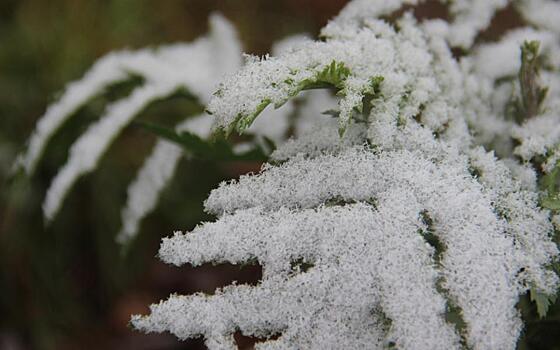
x,y
550,200
532,93
431,238
373,91
453,313
332,76
528,106
529,103
219,149
549,184
543,301
243,123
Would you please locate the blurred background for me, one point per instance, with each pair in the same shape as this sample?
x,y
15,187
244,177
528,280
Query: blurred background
x,y
68,285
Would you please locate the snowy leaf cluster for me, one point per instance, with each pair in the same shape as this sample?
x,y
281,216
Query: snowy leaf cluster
x,y
196,68
413,204
411,220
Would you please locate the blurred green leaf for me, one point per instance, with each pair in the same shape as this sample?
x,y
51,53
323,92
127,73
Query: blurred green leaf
x,y
548,183
528,105
552,203
218,149
543,301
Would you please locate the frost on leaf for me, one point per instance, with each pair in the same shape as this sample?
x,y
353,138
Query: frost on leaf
x,y
164,69
198,74
418,228
376,62
193,68
370,263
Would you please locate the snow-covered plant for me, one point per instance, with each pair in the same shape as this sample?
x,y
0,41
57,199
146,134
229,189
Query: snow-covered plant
x,y
417,217
194,68
413,214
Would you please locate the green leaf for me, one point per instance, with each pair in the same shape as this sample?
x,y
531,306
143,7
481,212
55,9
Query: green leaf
x,y
551,200
543,301
375,84
532,94
371,94
332,112
161,131
548,181
269,144
528,104
552,203
335,74
217,150
244,122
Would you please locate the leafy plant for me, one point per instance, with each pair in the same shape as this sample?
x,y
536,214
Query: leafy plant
x,y
412,220
149,76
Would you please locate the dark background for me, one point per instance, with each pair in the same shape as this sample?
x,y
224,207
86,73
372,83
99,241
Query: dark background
x,y
68,285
